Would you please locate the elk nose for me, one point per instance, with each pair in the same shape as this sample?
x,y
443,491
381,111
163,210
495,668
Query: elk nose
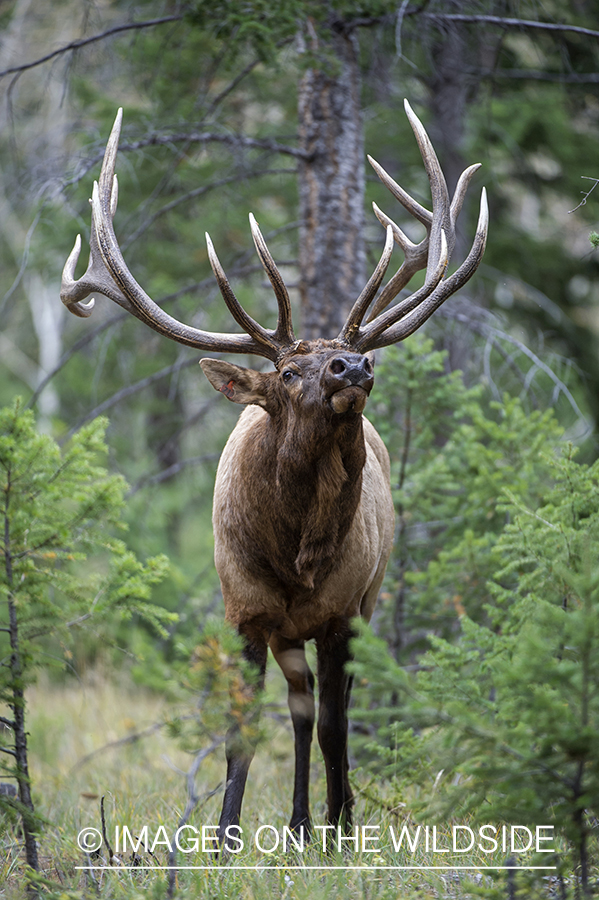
x,y
352,370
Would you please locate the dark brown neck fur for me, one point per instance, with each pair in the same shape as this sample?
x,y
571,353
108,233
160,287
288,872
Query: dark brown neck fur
x,y
303,487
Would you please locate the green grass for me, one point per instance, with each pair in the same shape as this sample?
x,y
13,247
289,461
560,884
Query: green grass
x,y
79,753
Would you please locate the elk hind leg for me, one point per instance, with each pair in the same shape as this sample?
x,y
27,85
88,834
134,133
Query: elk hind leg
x,y
291,657
334,688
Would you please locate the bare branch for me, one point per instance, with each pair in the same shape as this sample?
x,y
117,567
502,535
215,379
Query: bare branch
x,y
121,742
192,137
24,260
159,477
535,75
82,42
206,137
359,22
131,389
560,27
587,194
484,323
199,192
238,78
192,801
501,21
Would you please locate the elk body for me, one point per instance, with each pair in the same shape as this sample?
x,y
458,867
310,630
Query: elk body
x,y
303,517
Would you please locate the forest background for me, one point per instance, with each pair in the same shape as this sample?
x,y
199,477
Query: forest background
x,y
477,690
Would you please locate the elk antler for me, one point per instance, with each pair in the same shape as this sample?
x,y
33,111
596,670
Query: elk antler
x,y
432,254
107,274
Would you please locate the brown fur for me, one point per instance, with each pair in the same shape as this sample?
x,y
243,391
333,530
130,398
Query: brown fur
x,y
288,488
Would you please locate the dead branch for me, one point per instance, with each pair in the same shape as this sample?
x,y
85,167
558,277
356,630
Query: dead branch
x,y
199,192
131,389
82,42
192,801
159,477
587,194
560,27
121,742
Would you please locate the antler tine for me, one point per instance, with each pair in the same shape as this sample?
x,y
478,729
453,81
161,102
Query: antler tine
x,y
357,312
95,280
413,207
284,332
416,255
441,218
439,230
384,333
427,253
415,258
460,191
253,328
368,338
108,274
432,253
69,287
107,176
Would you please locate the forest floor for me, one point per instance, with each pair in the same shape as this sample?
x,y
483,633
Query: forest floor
x,y
99,737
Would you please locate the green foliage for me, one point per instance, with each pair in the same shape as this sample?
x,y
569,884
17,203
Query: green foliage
x,y
61,566
500,723
259,23
264,26
453,457
57,509
218,689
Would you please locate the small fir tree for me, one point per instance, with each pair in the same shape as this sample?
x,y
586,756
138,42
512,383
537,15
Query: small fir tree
x,y
57,508
510,710
453,455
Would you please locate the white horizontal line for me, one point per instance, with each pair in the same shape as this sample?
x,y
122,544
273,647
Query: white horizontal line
x,y
262,868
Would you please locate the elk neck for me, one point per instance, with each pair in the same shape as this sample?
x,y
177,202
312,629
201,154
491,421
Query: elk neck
x,y
304,479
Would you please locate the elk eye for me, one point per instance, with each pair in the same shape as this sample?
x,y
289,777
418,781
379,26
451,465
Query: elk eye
x,y
288,375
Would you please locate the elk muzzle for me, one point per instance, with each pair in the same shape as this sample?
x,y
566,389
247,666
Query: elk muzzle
x,y
348,380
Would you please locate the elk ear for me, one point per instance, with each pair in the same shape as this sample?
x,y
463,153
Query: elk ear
x,y
236,383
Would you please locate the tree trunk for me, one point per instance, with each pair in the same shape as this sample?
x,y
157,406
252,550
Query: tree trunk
x,y
450,90
17,704
331,189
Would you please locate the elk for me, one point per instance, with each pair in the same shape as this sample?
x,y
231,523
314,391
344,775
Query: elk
x,y
303,518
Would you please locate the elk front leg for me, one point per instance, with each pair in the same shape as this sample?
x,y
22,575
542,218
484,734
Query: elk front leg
x,y
239,750
334,687
291,657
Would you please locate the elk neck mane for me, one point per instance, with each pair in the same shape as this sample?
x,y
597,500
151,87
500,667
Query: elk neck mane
x,y
300,480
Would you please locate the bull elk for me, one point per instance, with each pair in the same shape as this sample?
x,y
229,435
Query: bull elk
x,y
303,518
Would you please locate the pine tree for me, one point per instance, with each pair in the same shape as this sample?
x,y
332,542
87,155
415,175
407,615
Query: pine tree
x,y
511,706
58,507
